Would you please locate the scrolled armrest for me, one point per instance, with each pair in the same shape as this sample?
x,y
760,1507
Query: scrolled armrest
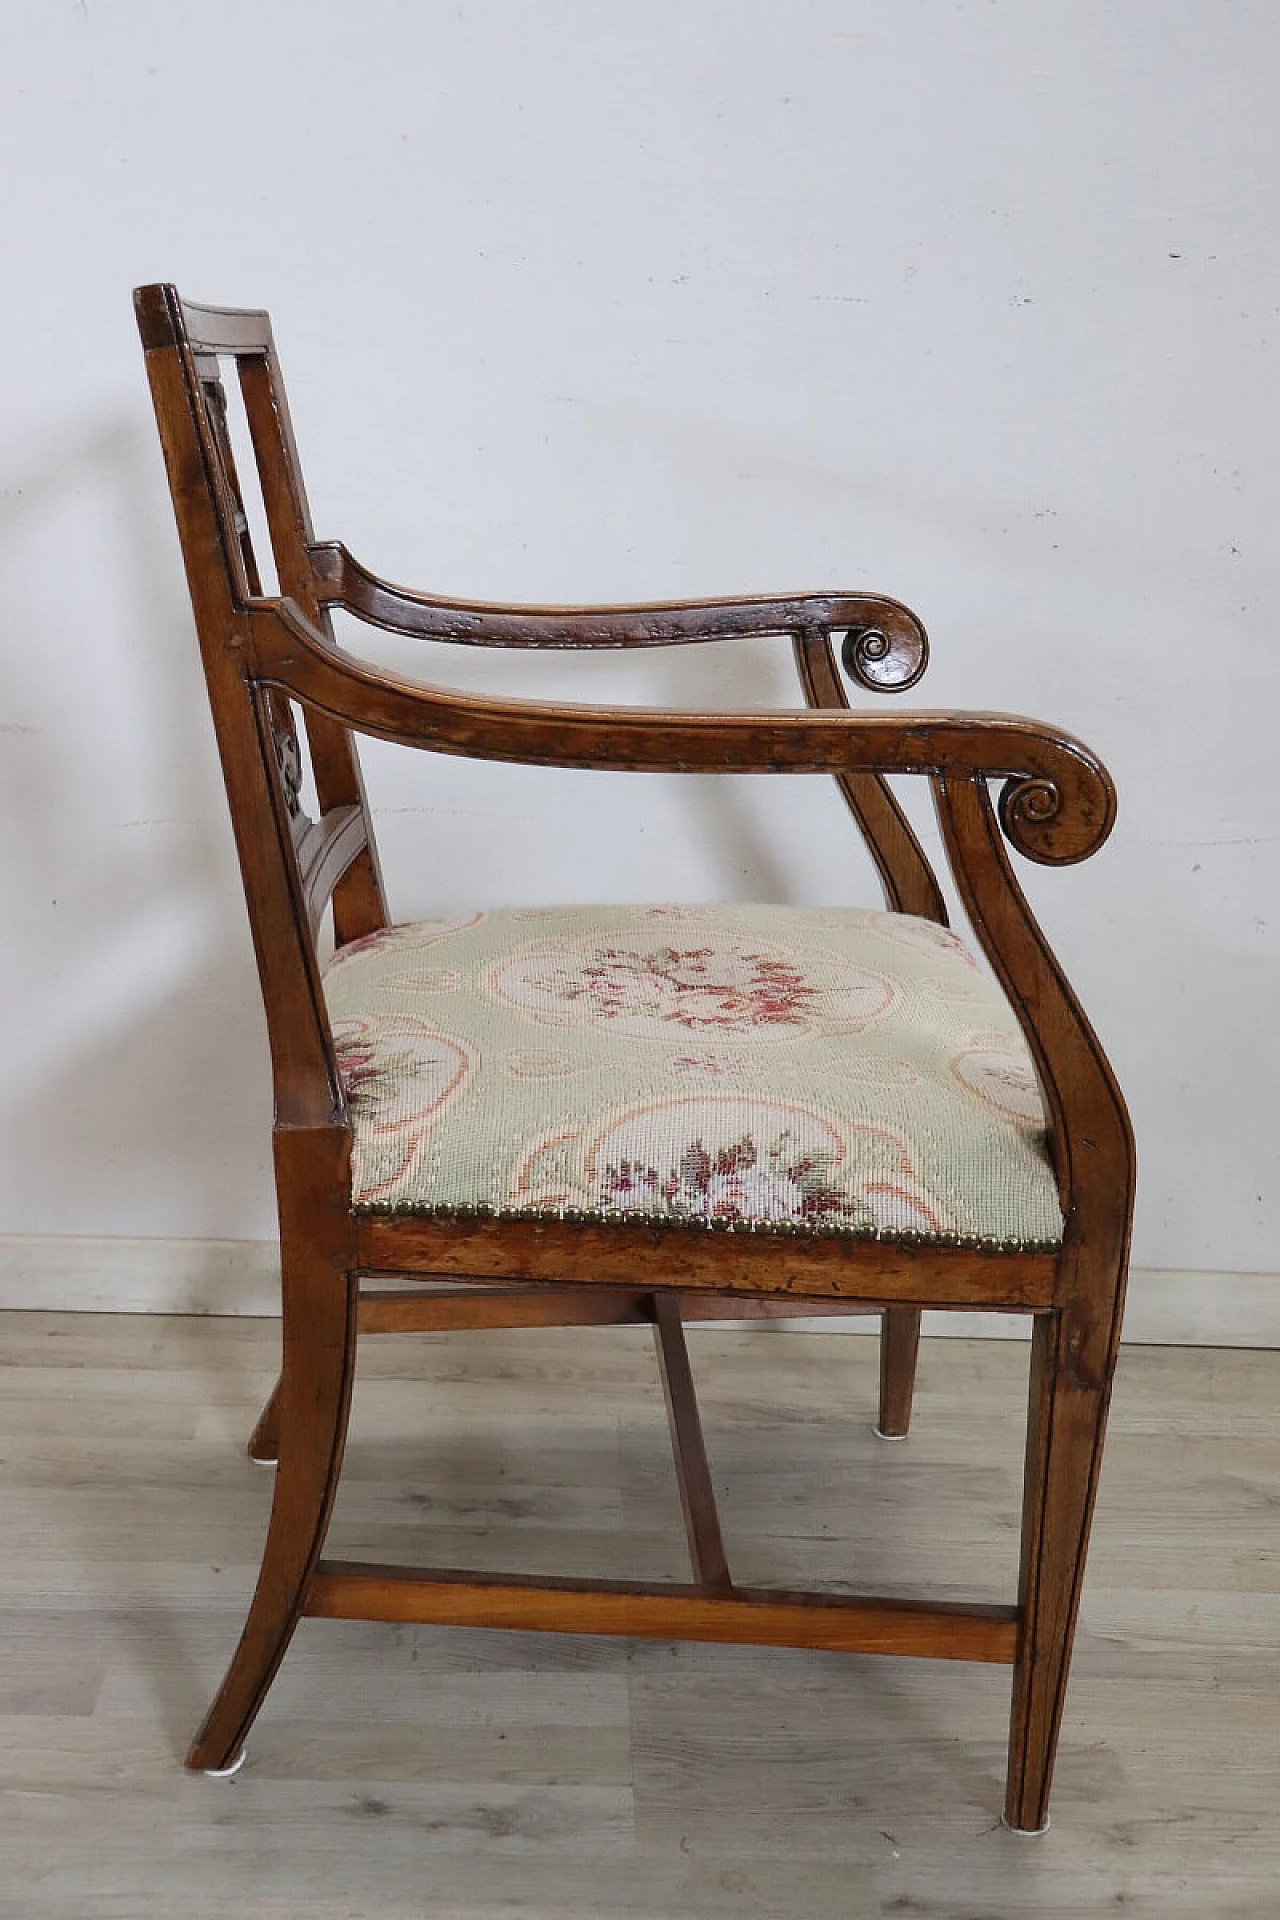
x,y
1038,819
1057,807
886,648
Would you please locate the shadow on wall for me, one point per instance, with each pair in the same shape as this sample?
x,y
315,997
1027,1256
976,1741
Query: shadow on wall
x,y
137,1072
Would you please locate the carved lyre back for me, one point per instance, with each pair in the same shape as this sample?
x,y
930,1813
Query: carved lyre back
x,y
293,866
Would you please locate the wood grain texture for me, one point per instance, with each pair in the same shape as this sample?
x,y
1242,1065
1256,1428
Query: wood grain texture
x,y
444,1309
319,1326
899,1350
340,579
693,1470
909,882
355,884
791,1267
1074,1351
749,1616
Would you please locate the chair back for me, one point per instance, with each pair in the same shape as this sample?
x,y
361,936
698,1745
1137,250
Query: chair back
x,y
293,866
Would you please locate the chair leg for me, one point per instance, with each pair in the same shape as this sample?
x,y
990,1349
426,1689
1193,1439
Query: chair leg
x,y
1066,1422
899,1345
315,1400
264,1441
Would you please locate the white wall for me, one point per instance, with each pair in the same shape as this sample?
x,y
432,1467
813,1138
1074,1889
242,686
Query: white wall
x,y
975,303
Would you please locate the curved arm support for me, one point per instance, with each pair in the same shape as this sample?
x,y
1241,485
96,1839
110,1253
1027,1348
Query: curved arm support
x,y
1074,799
1073,1348
1090,1135
886,648
909,882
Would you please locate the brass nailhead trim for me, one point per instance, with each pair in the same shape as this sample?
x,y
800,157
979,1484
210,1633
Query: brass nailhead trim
x,y
465,1212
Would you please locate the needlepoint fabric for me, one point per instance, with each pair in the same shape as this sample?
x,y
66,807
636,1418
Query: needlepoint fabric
x,y
757,1067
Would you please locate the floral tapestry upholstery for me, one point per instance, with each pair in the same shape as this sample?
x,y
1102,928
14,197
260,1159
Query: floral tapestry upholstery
x,y
758,1067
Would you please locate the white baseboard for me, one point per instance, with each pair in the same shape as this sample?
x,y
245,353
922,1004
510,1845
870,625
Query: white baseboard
x,y
66,1274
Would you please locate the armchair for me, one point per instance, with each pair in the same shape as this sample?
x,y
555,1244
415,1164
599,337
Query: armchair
x,y
611,1115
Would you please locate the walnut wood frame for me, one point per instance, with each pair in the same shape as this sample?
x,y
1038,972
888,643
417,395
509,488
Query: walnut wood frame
x,y
264,655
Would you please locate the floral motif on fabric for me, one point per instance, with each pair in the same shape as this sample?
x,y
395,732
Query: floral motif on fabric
x,y
376,1064
729,987
739,1182
396,1083
734,1160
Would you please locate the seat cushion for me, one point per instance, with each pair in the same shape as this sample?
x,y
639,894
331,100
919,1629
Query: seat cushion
x,y
755,1066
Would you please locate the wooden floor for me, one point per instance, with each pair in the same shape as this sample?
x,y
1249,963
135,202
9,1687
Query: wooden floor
x,y
435,1772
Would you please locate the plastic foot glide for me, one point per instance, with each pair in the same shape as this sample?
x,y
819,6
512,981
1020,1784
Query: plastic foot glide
x,y
1025,1833
880,1434
225,1773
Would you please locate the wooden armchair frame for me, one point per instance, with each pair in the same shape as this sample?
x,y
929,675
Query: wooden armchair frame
x,y
267,655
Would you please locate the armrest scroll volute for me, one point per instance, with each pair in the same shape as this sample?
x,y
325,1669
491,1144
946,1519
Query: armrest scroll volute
x,y
1058,820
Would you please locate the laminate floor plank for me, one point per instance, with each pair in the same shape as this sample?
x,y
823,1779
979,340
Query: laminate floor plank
x,y
447,1774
